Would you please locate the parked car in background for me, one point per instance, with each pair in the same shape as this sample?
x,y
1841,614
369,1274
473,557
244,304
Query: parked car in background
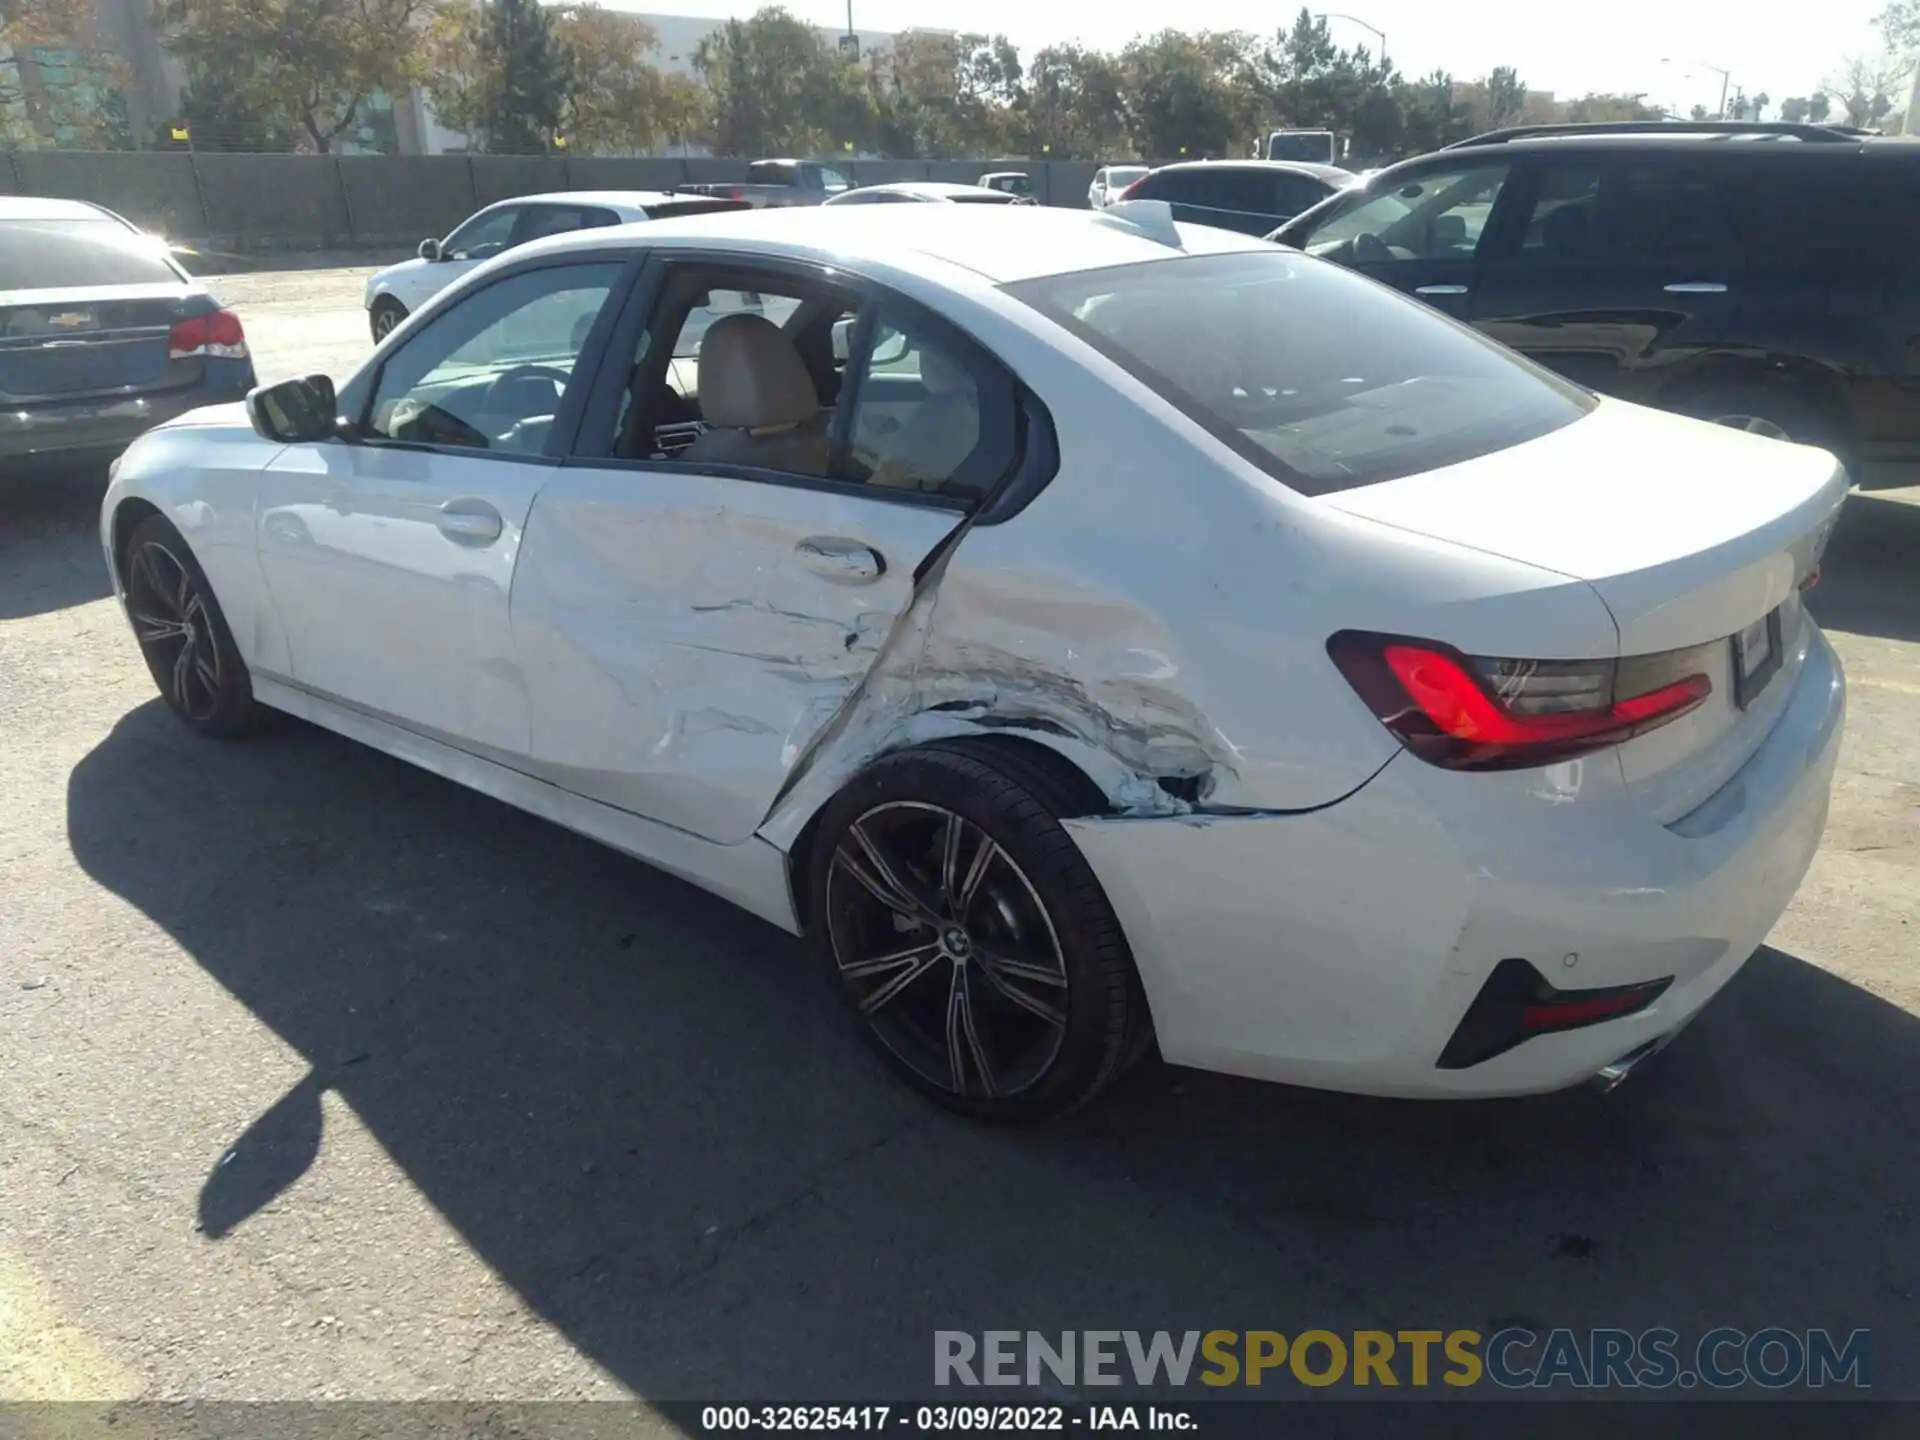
x,y
1139,635
778,184
1762,276
1250,196
927,192
396,292
102,335
1109,181
1016,183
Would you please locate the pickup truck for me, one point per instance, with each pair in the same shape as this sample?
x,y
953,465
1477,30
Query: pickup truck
x,y
774,184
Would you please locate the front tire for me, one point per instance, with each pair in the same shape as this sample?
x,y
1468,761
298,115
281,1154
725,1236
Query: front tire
x,y
970,938
385,317
182,634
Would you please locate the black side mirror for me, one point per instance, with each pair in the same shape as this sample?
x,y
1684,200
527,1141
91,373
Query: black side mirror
x,y
429,249
294,410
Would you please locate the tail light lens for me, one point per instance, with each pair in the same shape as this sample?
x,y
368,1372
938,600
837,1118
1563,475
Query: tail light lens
x,y
217,336
736,193
1468,712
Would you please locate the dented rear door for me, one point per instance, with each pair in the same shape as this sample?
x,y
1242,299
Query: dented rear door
x,y
686,636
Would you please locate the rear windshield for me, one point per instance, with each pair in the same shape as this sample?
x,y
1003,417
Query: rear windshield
x,y
1325,379
73,254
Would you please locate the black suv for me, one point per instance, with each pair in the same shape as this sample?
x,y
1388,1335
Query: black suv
x,y
1250,196
1759,275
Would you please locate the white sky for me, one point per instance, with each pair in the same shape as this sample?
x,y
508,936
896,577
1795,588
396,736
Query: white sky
x,y
1559,45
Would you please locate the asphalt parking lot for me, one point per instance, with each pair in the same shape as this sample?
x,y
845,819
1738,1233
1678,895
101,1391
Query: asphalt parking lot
x,y
322,1077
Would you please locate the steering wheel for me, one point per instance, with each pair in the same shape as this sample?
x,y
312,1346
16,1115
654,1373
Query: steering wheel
x,y
495,402
1370,249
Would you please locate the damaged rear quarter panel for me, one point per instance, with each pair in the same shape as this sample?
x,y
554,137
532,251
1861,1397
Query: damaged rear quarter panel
x,y
1159,613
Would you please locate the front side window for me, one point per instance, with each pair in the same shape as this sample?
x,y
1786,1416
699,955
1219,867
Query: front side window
x,y
484,236
1435,216
490,371
1560,225
1322,378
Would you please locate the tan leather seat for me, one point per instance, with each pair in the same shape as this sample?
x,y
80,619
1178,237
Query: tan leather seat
x,y
943,430
758,400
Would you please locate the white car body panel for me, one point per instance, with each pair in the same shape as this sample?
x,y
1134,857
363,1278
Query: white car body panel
x,y
651,658
416,281
688,636
351,546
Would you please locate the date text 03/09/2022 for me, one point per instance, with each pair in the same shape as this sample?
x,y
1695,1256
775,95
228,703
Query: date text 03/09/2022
x,y
942,1419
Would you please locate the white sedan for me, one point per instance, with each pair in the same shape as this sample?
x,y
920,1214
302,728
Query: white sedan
x,y
397,291
1110,182
1093,633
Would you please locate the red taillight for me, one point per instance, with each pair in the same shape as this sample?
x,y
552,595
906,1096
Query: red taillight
x,y
218,335
736,193
1472,713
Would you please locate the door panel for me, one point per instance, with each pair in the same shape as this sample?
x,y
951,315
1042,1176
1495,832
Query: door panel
x,y
1620,271
687,636
391,569
391,559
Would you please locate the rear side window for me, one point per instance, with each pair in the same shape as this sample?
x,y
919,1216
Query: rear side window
x,y
1661,212
75,254
1322,378
1298,192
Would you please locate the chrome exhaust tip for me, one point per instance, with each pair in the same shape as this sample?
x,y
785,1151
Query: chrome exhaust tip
x,y
1607,1077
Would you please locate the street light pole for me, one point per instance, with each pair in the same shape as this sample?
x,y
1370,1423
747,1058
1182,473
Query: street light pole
x,y
1726,77
1356,20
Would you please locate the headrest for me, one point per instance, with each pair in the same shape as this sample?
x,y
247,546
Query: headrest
x,y
751,376
941,375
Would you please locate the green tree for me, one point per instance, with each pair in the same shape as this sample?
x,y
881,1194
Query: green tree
x,y
502,75
309,64
1819,107
219,120
1191,95
67,25
1506,97
1070,105
776,87
620,102
1794,109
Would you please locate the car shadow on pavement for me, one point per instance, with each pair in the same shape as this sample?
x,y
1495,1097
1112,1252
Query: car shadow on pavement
x,y
1870,578
645,1112
49,542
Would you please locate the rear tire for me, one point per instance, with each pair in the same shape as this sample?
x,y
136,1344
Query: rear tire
x,y
183,635
1775,411
970,938
385,317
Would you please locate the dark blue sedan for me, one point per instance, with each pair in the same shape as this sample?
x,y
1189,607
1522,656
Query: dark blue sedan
x,y
102,336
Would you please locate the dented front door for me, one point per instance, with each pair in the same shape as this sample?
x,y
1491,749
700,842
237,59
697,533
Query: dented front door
x,y
685,637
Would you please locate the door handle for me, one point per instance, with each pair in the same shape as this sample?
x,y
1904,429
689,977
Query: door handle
x,y
1697,287
845,562
1441,290
469,522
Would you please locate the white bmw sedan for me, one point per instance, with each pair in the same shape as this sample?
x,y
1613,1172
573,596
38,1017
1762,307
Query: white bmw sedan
x,y
1092,633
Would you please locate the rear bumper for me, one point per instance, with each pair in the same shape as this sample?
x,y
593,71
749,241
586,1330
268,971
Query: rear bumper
x,y
1340,949
99,429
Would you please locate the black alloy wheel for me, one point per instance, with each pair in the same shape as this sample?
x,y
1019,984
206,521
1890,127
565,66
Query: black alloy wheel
x,y
971,939
182,635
